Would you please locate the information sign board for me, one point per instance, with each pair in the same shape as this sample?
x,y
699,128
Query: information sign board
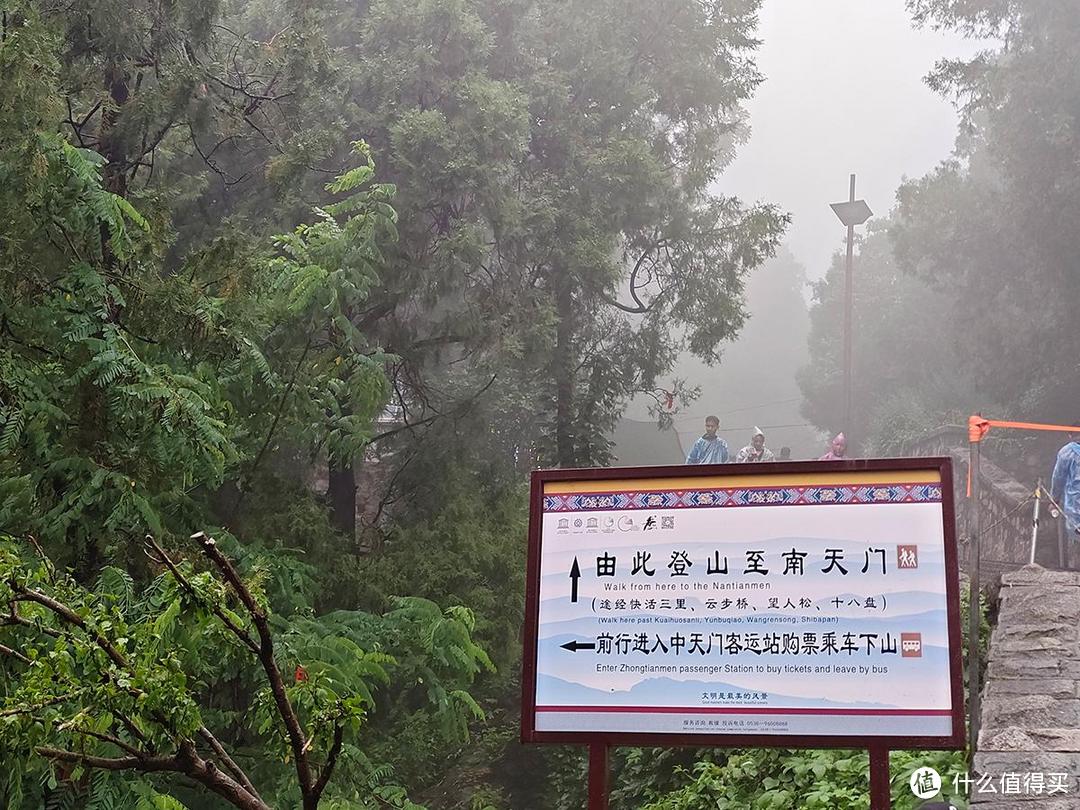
x,y
788,604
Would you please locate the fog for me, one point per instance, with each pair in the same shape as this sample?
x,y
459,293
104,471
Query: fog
x,y
843,93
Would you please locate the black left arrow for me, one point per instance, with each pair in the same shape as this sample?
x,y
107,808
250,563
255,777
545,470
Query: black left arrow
x,y
575,645
575,575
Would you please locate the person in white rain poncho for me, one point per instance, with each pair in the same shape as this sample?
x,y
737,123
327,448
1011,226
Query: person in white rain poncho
x,y
756,450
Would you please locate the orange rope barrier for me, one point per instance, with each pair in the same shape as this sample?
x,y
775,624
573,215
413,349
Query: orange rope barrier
x,y
978,427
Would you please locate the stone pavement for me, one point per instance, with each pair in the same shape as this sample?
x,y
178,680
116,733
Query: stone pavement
x,y
1031,702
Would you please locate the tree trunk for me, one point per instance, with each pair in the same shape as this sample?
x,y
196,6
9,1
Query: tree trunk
x,y
563,369
342,496
110,142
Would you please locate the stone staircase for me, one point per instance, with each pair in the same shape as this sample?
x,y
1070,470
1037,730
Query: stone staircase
x,y
1031,701
1028,752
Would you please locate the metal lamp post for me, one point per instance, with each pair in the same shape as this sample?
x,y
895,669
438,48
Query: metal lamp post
x,y
851,213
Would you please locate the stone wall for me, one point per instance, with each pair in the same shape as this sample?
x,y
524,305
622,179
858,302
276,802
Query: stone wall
x,y
1030,720
1006,507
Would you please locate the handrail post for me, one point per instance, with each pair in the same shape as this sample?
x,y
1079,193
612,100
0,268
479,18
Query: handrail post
x,y
1035,520
974,612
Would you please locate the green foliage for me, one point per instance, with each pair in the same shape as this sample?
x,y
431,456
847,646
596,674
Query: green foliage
x,y
898,395
774,779
87,418
128,394
166,364
110,671
469,552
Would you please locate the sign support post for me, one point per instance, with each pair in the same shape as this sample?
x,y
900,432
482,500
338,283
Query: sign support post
x,y
598,776
879,778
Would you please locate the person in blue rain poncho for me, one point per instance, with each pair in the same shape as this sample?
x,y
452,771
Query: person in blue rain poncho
x,y
1065,483
710,448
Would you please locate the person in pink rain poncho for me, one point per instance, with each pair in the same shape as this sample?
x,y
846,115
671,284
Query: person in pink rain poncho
x,y
837,449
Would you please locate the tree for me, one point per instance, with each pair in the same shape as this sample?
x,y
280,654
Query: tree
x,y
634,114
992,228
113,680
983,247
909,377
553,162
130,396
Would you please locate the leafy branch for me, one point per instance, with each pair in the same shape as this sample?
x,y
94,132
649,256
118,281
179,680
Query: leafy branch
x,y
151,707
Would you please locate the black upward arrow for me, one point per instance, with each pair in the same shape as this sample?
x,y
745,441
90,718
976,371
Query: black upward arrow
x,y
575,575
575,645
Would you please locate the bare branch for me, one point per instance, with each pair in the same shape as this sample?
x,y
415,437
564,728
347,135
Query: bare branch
x,y
186,761
133,729
77,126
297,740
462,407
37,706
228,761
331,761
226,179
13,654
162,558
109,738
50,569
14,618
256,98
132,763
70,616
639,307
149,145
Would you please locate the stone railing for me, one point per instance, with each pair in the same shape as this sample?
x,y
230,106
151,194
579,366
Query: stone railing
x,y
1006,507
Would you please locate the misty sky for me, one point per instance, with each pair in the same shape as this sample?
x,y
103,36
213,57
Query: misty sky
x,y
843,93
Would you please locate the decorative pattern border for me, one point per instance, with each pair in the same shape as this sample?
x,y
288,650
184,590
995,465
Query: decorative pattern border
x,y
816,495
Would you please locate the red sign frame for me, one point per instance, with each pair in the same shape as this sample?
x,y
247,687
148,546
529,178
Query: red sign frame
x,y
529,733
